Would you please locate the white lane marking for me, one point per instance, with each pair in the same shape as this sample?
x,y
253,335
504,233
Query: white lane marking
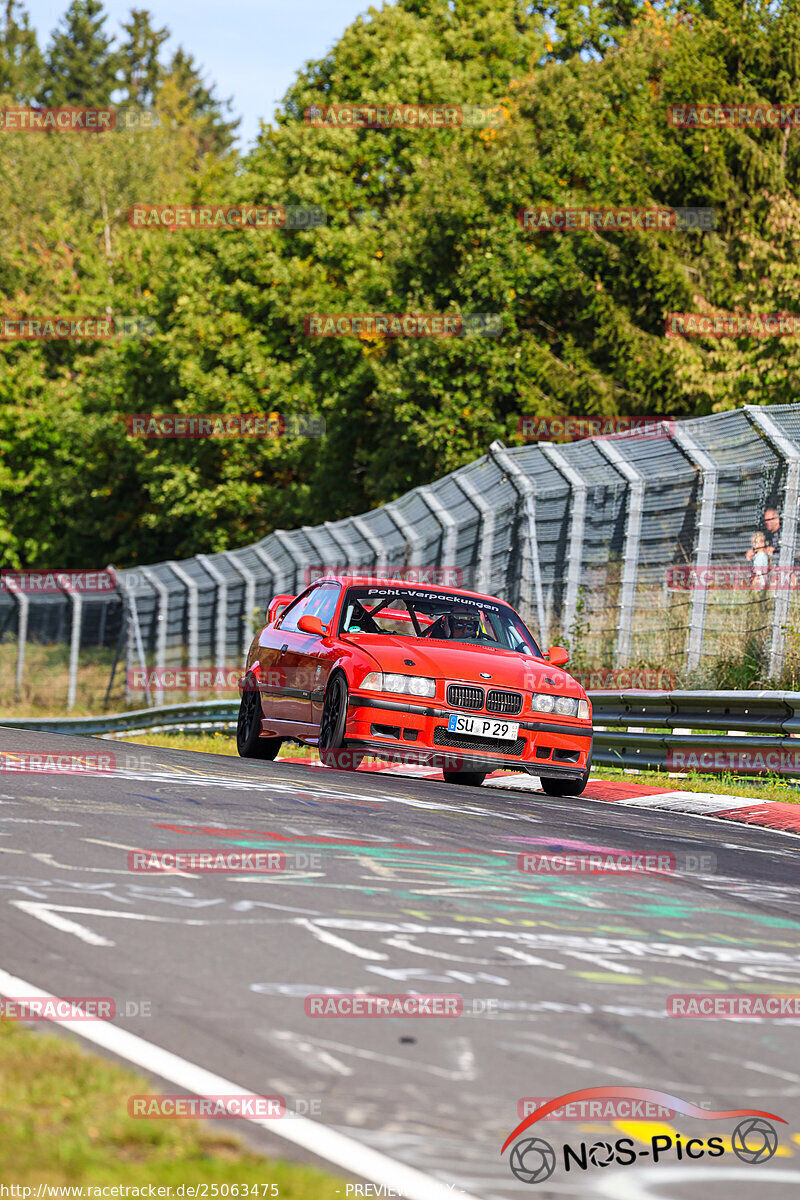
x,y
531,960
408,1064
340,943
305,1049
38,821
606,964
337,1148
44,913
517,783
400,943
691,802
620,1186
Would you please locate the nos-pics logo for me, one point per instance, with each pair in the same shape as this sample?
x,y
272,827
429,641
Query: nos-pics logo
x,y
532,1159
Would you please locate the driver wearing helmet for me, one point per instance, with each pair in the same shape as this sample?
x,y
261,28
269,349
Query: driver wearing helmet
x,y
457,626
464,626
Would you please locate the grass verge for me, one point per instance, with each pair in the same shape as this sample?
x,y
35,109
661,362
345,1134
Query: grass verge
x,y
64,1120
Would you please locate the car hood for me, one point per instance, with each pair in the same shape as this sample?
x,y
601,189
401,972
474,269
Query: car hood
x,y
441,660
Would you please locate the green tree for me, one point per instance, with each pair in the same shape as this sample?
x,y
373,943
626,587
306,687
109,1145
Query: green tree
x,y
81,63
140,70
21,62
207,111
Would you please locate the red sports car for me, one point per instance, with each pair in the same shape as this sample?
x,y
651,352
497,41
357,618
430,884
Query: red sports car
x,y
437,676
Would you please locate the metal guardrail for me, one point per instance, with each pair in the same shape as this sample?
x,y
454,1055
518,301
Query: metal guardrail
x,y
213,714
752,732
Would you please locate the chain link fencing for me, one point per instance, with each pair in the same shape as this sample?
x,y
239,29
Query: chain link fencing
x,y
631,549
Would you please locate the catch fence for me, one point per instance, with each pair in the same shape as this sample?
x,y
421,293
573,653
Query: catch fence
x,y
631,549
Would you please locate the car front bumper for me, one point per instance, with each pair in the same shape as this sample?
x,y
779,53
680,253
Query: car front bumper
x,y
411,731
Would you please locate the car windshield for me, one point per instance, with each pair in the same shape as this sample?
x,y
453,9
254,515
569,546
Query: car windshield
x,y
434,616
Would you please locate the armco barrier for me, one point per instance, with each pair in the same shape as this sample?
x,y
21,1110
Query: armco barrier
x,y
754,731
214,714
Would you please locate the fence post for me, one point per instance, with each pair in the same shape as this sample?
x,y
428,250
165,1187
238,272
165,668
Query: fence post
x,y
372,540
412,539
193,619
705,533
351,556
577,527
312,536
486,529
298,556
162,617
22,633
790,453
133,640
275,572
524,488
447,524
633,539
221,627
249,597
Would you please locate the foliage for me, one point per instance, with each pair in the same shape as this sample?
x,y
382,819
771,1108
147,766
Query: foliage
x,y
417,220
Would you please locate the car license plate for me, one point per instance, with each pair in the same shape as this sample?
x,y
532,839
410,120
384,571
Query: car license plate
x,y
485,727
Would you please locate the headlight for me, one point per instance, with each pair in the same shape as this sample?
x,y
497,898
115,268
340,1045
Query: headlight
x,y
411,685
565,706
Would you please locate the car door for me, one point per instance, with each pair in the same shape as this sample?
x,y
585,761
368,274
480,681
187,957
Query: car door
x,y
316,656
304,662
295,668
277,649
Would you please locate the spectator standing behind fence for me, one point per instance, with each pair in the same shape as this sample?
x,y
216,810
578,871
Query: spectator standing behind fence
x,y
772,536
760,559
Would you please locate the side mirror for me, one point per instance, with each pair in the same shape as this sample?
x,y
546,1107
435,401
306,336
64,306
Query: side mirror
x,y
311,625
557,656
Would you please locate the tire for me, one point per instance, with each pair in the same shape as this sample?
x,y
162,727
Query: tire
x,y
249,742
469,778
332,749
567,787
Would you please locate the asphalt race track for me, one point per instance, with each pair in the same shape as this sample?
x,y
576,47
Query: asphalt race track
x,y
398,885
